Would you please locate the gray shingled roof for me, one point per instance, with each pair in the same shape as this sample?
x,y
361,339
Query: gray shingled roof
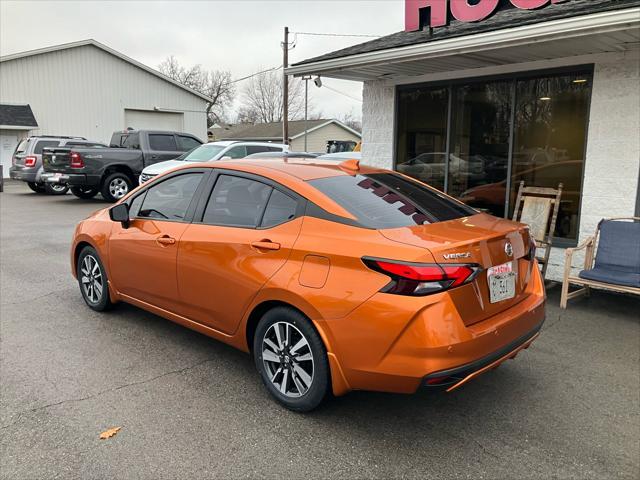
x,y
265,131
17,116
508,18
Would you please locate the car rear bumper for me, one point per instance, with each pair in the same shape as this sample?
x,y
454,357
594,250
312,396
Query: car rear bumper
x,y
387,344
72,179
24,175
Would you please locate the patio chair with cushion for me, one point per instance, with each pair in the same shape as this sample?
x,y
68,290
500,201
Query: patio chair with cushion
x,y
538,207
611,262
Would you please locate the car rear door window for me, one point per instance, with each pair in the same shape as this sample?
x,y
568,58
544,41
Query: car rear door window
x,y
42,144
187,143
387,200
162,142
131,141
280,209
236,152
251,149
236,201
170,199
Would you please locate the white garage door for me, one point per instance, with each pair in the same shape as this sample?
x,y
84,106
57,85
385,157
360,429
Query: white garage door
x,y
152,120
8,142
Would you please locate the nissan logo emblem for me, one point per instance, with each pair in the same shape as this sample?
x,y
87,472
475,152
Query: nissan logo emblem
x,y
508,249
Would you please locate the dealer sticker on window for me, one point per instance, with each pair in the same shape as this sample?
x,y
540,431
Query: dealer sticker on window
x,y
502,282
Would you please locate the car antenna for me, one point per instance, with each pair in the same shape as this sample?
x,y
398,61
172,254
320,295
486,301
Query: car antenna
x,y
352,165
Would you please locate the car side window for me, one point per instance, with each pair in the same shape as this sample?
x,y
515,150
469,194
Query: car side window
x,y
237,202
37,150
161,142
251,149
280,209
236,152
187,143
134,206
131,141
274,149
170,199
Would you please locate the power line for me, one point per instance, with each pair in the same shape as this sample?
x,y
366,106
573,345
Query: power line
x,y
341,93
254,74
336,34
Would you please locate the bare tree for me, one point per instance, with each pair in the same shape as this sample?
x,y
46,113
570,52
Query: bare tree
x,y
262,100
351,121
215,84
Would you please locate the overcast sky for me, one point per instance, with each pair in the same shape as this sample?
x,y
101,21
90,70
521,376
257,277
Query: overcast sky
x,y
242,36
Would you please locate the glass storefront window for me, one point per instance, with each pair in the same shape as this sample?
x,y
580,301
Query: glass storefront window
x,y
549,141
480,145
422,134
488,153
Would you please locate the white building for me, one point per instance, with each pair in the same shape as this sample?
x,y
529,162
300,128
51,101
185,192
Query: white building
x,y
537,90
88,89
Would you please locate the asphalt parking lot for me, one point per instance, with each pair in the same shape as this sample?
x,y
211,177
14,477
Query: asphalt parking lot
x,y
190,407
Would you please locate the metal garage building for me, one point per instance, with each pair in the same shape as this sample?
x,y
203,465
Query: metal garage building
x,y
88,89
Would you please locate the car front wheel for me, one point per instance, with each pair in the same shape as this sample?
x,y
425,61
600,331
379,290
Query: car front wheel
x,y
291,359
56,188
92,279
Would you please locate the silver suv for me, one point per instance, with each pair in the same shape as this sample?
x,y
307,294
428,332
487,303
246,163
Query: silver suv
x,y
26,163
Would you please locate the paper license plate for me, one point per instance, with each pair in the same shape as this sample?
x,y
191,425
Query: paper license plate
x,y
502,282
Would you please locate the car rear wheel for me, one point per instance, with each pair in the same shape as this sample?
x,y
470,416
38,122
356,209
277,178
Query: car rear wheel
x,y
291,359
84,192
36,187
92,279
116,186
56,188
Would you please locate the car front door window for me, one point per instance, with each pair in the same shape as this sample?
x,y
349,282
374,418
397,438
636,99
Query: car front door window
x,y
170,199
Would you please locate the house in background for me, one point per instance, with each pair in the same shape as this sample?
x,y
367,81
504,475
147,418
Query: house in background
x,y
321,134
90,90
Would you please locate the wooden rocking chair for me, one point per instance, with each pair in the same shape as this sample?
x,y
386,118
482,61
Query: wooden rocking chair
x,y
538,207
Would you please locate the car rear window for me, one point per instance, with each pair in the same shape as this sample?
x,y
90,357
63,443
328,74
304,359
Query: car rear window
x,y
22,146
42,144
387,200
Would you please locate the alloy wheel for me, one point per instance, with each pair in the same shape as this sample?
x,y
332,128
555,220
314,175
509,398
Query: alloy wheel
x,y
118,188
288,359
91,279
58,187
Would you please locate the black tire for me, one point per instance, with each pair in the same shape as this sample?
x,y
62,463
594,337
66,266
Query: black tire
x,y
36,187
116,186
91,272
317,383
84,192
56,188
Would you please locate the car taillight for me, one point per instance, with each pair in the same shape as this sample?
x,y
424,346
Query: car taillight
x,y
76,160
30,161
419,279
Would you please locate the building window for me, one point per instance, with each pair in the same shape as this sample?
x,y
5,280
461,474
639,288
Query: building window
x,y
477,140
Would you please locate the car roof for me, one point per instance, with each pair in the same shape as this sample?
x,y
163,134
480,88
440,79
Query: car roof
x,y
226,143
295,173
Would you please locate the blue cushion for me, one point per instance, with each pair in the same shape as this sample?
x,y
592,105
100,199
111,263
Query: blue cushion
x,y
618,255
616,277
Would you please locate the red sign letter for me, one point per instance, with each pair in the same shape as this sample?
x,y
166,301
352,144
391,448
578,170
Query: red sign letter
x,y
533,4
473,13
438,13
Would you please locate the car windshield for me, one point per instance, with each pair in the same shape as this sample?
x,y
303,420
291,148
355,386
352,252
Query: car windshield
x,y
203,153
387,200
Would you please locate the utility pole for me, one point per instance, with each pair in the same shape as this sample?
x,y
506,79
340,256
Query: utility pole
x,y
306,79
285,88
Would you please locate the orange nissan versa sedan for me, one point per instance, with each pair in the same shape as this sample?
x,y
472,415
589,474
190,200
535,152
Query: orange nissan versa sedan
x,y
334,276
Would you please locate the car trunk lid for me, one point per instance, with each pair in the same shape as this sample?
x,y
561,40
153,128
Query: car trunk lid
x,y
479,239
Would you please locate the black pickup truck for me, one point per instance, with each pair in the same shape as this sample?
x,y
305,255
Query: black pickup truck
x,y
113,171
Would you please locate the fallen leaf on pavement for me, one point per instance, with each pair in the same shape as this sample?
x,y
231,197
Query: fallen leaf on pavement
x,y
109,433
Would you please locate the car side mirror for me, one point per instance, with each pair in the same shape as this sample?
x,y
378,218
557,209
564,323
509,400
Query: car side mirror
x,y
120,213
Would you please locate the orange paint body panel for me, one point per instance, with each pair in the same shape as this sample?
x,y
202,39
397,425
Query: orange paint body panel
x,y
212,278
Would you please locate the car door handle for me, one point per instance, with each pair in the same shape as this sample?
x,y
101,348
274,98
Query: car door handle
x,y
166,240
265,245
